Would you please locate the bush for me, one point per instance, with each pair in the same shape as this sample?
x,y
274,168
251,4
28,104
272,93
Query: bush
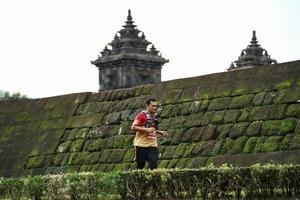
x,y
268,181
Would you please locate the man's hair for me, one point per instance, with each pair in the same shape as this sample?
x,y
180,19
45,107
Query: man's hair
x,y
148,101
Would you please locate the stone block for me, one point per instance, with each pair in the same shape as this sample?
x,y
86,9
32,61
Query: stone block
x,y
259,98
271,144
217,148
218,117
64,147
105,154
189,150
173,163
185,108
285,145
168,153
259,113
195,107
197,134
194,120
196,163
224,131
35,162
287,125
77,145
250,145
238,145
277,111
293,110
177,136
207,118
241,101
270,127
129,155
227,145
254,129
188,94
171,96
220,103
259,144
232,116
295,143
186,135
209,133
238,129
245,113
163,163
180,150
166,111
269,97
182,163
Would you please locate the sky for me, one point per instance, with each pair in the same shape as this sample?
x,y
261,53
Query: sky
x,y
46,45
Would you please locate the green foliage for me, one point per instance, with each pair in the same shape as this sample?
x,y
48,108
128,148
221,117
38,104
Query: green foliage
x,y
258,181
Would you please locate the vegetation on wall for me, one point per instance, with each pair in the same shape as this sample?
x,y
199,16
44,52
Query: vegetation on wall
x,y
226,182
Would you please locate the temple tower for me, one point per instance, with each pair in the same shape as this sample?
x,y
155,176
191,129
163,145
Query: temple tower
x,y
252,56
129,62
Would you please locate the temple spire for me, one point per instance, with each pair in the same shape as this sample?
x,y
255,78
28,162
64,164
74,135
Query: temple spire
x,y
128,60
252,56
129,22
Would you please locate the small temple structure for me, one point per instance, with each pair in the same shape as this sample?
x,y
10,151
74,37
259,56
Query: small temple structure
x,y
131,60
252,56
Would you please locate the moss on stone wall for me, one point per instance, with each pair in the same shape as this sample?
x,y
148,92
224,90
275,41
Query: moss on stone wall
x,y
215,118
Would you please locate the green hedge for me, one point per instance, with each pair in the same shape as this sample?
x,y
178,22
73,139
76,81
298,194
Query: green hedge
x,y
226,182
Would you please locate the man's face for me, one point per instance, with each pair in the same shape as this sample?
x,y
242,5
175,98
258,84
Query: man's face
x,y
152,107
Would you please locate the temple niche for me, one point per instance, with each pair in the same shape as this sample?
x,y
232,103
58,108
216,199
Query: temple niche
x,y
129,60
252,56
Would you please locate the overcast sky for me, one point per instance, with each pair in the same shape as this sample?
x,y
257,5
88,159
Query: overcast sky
x,y
46,46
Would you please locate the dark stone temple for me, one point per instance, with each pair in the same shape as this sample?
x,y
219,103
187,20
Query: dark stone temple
x,y
129,62
252,56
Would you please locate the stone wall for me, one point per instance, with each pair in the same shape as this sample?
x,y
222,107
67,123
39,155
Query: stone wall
x,y
239,117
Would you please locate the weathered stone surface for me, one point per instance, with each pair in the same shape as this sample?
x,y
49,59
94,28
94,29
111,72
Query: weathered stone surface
x,y
209,118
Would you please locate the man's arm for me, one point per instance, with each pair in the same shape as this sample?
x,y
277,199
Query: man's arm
x,y
163,133
137,126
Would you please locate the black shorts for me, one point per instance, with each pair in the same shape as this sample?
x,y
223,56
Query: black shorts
x,y
149,154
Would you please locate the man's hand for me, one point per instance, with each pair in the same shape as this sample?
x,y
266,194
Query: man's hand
x,y
150,130
163,133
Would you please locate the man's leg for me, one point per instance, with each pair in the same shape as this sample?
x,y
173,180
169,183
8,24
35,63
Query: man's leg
x,y
153,155
141,157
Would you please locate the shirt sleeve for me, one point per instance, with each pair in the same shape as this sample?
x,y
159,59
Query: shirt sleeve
x,y
141,118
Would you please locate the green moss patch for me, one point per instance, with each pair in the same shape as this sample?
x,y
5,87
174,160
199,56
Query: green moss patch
x,y
180,150
259,144
259,98
287,126
271,127
187,94
238,145
35,162
270,96
220,103
241,101
197,134
250,145
77,145
195,106
238,129
218,117
64,147
207,118
194,120
163,163
254,129
209,133
227,145
169,152
286,143
232,116
277,111
259,113
224,131
293,110
129,155
271,144
172,96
